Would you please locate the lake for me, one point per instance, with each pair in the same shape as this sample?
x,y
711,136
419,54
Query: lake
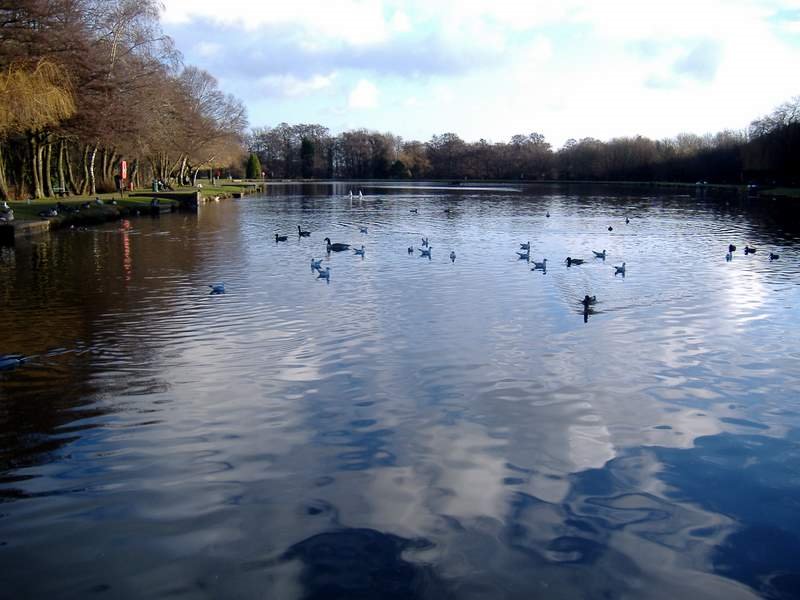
x,y
412,427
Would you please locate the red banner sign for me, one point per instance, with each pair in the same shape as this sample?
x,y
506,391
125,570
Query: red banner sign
x,y
123,169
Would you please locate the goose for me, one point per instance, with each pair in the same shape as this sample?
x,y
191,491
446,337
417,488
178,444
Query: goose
x,y
610,228
620,269
573,261
281,238
526,246
336,247
413,210
302,233
426,252
729,257
749,250
326,274
599,254
359,251
524,255
217,288
5,206
362,229
411,249
588,301
773,256
540,265
425,242
453,256
316,264
731,248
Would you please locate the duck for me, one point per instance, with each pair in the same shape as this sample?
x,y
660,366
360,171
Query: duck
x,y
281,238
336,247
729,257
599,254
524,255
540,265
610,228
424,242
359,251
413,211
588,301
773,256
620,269
411,249
324,274
749,250
526,246
302,233
425,251
217,288
362,229
316,264
731,248
573,261
453,256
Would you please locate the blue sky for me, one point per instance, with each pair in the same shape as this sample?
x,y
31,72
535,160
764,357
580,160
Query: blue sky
x,y
492,69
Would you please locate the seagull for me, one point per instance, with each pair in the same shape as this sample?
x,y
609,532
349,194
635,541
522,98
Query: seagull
x,y
302,233
336,247
573,261
599,254
749,250
729,257
540,265
425,242
453,255
281,238
359,252
326,274
524,255
362,229
316,264
425,252
411,249
620,269
526,246
731,248
773,256
217,288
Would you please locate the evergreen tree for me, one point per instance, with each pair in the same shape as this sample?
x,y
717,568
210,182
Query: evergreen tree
x,y
253,169
307,157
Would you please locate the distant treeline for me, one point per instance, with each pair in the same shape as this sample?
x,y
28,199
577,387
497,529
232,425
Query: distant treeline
x,y
86,84
765,153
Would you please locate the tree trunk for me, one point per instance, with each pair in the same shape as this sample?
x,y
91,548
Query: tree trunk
x,y
92,182
3,182
62,182
36,184
46,165
72,185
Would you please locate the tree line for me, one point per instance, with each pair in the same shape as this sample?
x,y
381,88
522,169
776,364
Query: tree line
x,y
766,152
86,84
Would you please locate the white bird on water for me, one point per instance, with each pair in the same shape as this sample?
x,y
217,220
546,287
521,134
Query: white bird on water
x,y
362,229
360,195
425,252
359,251
540,265
620,270
524,255
316,264
326,274
599,254
526,246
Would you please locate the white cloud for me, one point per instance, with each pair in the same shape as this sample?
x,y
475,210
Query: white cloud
x,y
207,49
289,85
400,22
364,95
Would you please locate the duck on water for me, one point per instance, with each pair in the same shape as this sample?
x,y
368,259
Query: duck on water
x,y
335,247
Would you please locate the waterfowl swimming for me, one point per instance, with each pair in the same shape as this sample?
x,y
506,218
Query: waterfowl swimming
x,y
411,249
731,248
773,256
749,250
351,194
336,247
413,210
326,274
453,256
627,220
524,255
359,251
526,246
51,212
573,261
588,300
302,233
362,229
217,288
448,210
281,238
547,214
729,257
620,269
425,242
599,254
425,252
360,195
316,264
610,228
540,265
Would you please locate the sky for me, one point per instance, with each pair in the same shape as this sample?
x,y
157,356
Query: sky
x,y
495,68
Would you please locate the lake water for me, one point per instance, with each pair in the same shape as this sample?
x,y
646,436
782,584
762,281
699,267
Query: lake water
x,y
413,428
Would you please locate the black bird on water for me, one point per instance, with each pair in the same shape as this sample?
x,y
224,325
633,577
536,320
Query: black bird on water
x,y
281,238
302,233
336,247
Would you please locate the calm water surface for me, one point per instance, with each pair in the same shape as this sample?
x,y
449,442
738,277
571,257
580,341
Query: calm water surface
x,y
413,428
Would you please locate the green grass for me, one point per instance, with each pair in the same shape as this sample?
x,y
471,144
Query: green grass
x,y
784,192
95,214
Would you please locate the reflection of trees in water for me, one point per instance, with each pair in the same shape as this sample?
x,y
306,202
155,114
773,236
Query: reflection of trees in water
x,y
363,563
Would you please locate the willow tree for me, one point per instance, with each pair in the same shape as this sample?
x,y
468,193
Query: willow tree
x,y
32,99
